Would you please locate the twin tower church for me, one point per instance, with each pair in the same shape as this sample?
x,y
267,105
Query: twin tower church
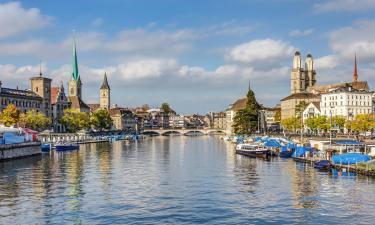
x,y
75,89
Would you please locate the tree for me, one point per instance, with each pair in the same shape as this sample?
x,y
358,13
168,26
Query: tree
x,y
291,123
10,115
277,116
363,123
34,120
75,120
245,120
338,121
165,107
101,119
317,123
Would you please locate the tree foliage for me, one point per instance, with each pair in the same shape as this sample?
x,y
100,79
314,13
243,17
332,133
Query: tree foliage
x,y
245,120
300,107
75,120
277,116
291,123
34,120
10,115
338,121
165,107
362,123
101,119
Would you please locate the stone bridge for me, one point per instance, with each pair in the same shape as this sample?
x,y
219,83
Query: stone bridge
x,y
184,131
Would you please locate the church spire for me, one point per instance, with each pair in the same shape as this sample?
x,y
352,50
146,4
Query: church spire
x,y
75,73
105,82
355,74
40,68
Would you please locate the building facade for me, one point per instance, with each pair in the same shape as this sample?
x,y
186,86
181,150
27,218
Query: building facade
x,y
42,86
347,102
177,121
302,76
59,102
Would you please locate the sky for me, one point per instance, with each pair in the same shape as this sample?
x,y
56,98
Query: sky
x,y
198,56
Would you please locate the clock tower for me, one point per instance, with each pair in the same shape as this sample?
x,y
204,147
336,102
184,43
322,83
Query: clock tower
x,y
105,94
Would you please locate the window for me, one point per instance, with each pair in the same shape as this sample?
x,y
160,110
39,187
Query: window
x,y
36,89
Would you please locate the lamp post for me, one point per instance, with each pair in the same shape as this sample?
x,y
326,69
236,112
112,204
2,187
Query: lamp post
x,y
330,127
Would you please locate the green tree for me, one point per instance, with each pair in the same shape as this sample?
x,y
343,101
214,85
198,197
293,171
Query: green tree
x,y
317,123
34,120
311,124
277,116
101,119
338,121
245,120
165,107
291,123
363,123
75,120
10,115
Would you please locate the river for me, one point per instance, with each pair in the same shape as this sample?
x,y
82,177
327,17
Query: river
x,y
176,180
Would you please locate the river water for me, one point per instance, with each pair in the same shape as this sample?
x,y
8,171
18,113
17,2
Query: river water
x,y
177,180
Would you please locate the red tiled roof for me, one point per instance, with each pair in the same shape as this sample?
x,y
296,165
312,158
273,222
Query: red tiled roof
x,y
54,94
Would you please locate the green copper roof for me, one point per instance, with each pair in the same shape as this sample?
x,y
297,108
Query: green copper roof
x,y
75,73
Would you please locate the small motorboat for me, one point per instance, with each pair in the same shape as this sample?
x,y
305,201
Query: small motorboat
x,y
45,147
253,150
322,164
66,146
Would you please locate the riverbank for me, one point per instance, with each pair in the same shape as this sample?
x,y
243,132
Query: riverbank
x,y
19,150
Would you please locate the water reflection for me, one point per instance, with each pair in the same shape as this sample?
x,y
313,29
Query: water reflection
x,y
176,180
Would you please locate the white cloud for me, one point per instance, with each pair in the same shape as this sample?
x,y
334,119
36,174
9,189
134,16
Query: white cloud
x,y
261,50
15,19
360,38
301,33
344,5
326,62
97,22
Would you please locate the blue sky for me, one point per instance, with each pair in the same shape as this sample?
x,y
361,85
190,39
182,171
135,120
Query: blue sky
x,y
197,55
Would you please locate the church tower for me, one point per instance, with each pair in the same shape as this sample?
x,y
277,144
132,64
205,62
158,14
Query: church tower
x,y
105,94
42,87
310,79
298,75
75,84
355,74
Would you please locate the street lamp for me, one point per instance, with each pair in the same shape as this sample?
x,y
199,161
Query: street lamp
x,y
330,126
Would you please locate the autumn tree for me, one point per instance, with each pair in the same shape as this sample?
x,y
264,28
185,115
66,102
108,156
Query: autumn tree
x,y
75,120
277,116
34,120
101,119
10,115
363,123
291,123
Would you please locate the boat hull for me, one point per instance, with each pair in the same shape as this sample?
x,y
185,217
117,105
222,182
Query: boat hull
x,y
45,147
286,154
61,148
255,154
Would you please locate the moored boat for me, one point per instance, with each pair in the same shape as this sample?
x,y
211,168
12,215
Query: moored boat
x,y
45,147
253,150
66,146
322,164
286,154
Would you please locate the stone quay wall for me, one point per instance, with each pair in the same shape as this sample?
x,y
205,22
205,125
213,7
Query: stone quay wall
x,y
12,151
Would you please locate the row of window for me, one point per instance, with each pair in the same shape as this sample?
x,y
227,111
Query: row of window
x,y
350,111
360,97
352,103
20,103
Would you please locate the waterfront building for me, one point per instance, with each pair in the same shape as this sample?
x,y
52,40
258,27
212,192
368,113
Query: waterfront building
x,y
346,101
302,77
123,119
271,124
75,86
42,86
24,100
288,104
231,112
312,110
59,102
105,94
177,121
219,120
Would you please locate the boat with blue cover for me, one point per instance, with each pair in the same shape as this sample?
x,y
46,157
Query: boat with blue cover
x,y
322,164
66,146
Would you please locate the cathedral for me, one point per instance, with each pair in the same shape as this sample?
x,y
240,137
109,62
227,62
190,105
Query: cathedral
x,y
303,78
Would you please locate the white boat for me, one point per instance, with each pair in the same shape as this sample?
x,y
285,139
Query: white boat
x,y
253,150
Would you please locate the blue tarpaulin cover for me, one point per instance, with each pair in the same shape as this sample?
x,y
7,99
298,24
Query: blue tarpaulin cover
x,y
350,158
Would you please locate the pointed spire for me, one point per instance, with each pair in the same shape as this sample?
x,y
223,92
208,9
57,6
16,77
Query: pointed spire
x,y
40,68
75,73
355,75
249,86
105,82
